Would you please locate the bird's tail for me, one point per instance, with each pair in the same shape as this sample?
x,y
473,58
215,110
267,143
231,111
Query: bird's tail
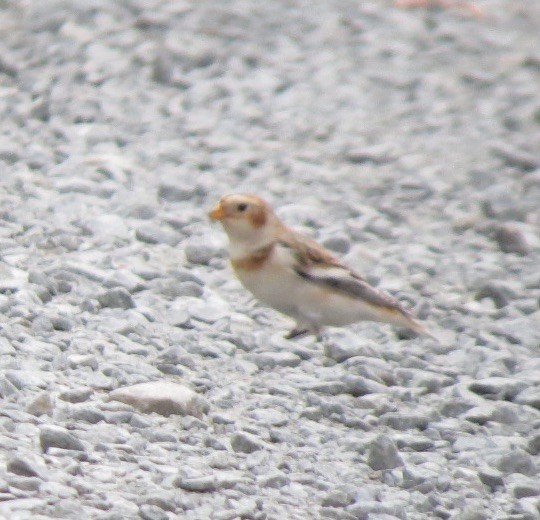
x,y
418,327
402,318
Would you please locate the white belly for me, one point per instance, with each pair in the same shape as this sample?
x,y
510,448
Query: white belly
x,y
279,286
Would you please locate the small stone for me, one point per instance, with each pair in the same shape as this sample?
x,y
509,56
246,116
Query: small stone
x,y
339,498
199,484
61,323
529,396
513,156
265,360
472,512
165,501
56,437
491,478
202,251
91,415
500,293
141,212
162,397
177,314
27,467
525,487
533,446
150,512
340,350
383,454
77,395
7,388
479,414
246,443
497,387
209,311
83,360
404,420
376,154
105,226
43,404
116,298
358,386
153,234
517,461
511,240
500,203
25,483
275,480
338,243
162,68
172,193
419,477
188,288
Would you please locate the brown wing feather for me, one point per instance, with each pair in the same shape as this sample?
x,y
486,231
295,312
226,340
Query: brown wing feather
x,y
307,251
313,257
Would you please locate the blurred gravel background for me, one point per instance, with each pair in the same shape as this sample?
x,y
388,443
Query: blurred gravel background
x,y
407,140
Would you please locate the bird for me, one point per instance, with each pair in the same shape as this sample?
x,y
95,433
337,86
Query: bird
x,y
298,277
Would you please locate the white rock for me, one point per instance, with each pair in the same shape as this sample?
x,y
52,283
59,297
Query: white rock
x,y
162,397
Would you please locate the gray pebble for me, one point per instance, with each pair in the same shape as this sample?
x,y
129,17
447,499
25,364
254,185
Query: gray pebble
x,y
116,298
76,395
499,292
491,477
383,454
525,487
6,387
511,240
533,446
42,404
341,497
190,289
268,360
246,442
405,421
56,437
497,387
27,467
25,483
150,512
275,480
358,386
199,484
208,311
203,251
171,193
141,211
529,396
514,156
87,414
162,397
517,461
154,234
339,243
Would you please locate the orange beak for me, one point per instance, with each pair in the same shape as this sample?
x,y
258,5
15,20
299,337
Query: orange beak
x,y
218,213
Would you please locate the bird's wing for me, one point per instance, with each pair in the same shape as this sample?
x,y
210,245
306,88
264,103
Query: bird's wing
x,y
318,265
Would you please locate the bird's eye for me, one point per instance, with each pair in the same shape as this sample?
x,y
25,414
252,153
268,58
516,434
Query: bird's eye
x,y
242,207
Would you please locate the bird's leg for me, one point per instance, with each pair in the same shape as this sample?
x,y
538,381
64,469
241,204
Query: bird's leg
x,y
297,332
318,333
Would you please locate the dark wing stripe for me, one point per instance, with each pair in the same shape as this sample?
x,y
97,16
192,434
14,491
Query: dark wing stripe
x,y
355,288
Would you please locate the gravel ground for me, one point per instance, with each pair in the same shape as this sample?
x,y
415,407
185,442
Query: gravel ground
x,y
407,140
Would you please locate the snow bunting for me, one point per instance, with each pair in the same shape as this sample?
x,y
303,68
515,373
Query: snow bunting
x,y
296,276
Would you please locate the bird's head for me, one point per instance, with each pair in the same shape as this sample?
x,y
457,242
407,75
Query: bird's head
x,y
247,218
